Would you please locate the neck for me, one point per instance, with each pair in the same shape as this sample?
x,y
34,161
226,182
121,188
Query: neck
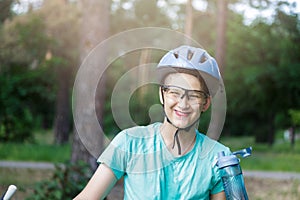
x,y
169,129
186,137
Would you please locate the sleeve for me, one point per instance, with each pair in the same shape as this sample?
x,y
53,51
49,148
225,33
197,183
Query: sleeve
x,y
114,156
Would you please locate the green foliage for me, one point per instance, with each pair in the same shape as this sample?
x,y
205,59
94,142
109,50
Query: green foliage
x,y
137,13
67,181
35,58
262,76
23,85
23,41
140,103
21,92
295,116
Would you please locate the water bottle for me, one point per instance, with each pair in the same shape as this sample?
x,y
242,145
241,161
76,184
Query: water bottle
x,y
232,176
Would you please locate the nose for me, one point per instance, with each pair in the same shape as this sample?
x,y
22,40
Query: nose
x,y
183,101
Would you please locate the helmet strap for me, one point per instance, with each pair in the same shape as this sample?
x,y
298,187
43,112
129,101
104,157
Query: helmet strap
x,y
176,138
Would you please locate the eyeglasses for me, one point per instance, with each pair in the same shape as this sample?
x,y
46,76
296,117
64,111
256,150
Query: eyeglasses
x,y
177,93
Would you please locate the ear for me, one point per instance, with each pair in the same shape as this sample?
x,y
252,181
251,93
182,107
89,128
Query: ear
x,y
206,104
160,95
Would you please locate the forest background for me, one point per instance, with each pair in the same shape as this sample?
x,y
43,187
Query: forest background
x,y
43,44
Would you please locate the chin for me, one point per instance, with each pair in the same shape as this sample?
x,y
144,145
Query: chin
x,y
182,124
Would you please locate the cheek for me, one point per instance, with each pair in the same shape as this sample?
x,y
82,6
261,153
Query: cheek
x,y
169,102
169,106
197,111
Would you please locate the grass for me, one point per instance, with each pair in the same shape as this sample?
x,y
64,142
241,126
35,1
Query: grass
x,y
34,152
42,149
279,157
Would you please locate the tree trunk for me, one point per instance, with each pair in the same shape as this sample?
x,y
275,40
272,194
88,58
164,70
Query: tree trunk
x,y
271,128
221,33
188,27
143,72
63,108
5,10
292,136
94,29
64,72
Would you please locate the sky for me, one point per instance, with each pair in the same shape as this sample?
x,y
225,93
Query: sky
x,y
249,13
23,5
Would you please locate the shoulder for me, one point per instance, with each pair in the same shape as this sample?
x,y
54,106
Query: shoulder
x,y
143,131
140,131
210,147
137,134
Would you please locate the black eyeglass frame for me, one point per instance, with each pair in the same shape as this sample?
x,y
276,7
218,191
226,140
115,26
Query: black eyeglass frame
x,y
186,91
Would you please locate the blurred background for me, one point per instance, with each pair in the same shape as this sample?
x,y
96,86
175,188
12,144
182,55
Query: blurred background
x,y
44,42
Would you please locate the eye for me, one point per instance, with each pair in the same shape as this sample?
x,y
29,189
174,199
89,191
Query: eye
x,y
197,96
174,92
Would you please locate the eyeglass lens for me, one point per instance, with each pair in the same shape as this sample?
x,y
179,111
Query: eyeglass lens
x,y
178,93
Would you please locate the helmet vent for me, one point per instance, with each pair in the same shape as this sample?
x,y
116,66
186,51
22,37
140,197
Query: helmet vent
x,y
203,59
176,55
190,54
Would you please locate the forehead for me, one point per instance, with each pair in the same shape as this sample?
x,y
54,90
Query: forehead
x,y
186,81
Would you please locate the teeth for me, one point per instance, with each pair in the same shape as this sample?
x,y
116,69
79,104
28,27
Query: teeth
x,y
181,111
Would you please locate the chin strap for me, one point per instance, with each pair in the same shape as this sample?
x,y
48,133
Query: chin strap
x,y
176,137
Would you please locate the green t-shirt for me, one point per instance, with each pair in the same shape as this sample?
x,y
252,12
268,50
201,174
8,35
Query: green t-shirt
x,y
151,172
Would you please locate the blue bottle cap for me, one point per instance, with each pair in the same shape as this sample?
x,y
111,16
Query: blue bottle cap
x,y
224,161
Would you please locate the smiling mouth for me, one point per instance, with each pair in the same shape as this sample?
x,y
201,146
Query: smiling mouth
x,y
181,114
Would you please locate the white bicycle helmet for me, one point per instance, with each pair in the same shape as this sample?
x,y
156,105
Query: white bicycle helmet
x,y
188,57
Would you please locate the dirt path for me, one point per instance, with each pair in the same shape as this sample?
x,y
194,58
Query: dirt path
x,y
272,175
